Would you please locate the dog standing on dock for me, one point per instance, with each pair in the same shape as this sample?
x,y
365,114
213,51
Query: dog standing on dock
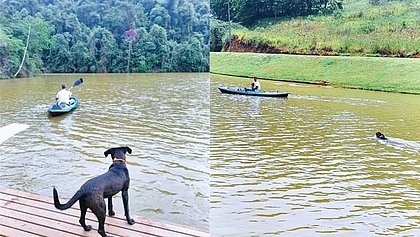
x,y
92,193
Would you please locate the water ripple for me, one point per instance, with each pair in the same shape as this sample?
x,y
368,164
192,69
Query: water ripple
x,y
164,118
310,166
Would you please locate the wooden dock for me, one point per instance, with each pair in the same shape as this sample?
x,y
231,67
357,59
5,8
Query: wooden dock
x,y
25,214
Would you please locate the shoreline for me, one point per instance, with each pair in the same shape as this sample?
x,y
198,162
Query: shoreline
x,y
396,75
319,84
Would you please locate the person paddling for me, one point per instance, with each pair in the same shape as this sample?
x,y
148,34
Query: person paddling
x,y
255,85
63,96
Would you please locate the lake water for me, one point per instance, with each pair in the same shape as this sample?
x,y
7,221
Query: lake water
x,y
309,165
164,118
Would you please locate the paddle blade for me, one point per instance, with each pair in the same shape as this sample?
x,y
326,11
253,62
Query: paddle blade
x,y
78,82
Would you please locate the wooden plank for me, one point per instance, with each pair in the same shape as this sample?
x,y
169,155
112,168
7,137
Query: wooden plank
x,y
33,228
22,214
144,221
72,222
143,225
6,231
152,223
72,216
10,130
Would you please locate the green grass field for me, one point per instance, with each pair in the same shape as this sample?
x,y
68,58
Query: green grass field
x,y
391,28
370,73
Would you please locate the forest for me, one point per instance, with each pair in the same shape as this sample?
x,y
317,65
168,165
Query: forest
x,y
103,36
247,12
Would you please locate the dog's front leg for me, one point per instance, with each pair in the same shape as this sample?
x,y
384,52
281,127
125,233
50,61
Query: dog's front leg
x,y
125,202
110,207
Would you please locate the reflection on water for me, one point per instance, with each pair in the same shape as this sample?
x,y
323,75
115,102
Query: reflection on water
x,y
164,118
310,165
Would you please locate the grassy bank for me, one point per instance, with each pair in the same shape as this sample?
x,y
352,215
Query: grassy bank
x,y
389,28
370,73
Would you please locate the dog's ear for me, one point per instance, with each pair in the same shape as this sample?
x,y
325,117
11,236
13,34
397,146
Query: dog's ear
x,y
128,149
109,151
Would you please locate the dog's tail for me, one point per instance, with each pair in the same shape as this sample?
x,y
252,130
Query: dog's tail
x,y
67,205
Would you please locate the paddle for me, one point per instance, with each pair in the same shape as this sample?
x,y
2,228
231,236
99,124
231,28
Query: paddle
x,y
77,82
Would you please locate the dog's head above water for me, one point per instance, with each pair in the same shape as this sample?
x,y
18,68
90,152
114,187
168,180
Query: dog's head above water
x,y
381,136
118,152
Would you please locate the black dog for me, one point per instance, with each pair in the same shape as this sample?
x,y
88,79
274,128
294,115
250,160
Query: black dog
x,y
92,194
381,136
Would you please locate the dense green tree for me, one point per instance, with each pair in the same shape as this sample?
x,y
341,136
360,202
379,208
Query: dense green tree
x,y
89,36
9,54
103,47
217,33
160,50
139,48
186,17
80,58
248,12
59,57
191,56
16,35
202,22
160,16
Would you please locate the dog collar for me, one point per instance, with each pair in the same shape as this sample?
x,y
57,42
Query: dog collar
x,y
118,159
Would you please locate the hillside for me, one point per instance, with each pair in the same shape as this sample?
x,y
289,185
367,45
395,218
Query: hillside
x,y
364,27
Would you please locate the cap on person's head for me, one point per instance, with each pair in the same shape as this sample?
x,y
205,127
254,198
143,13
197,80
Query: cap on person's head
x,y
63,86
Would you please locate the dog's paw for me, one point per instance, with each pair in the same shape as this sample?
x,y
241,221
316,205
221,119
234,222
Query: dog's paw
x,y
111,213
87,228
102,233
130,221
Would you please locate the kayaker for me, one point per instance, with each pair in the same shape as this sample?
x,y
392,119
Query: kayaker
x,y
255,85
63,96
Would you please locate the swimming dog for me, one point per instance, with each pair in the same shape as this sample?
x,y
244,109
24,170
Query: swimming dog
x,y
381,136
92,193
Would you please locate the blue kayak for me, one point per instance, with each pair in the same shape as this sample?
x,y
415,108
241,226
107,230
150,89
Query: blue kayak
x,y
59,109
242,91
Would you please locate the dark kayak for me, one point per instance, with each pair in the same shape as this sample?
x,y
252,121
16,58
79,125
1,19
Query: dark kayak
x,y
242,91
56,109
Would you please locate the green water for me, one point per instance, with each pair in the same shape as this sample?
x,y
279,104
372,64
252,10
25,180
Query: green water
x,y
164,118
309,165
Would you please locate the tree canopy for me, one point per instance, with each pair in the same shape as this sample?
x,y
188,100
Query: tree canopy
x,y
248,12
112,36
